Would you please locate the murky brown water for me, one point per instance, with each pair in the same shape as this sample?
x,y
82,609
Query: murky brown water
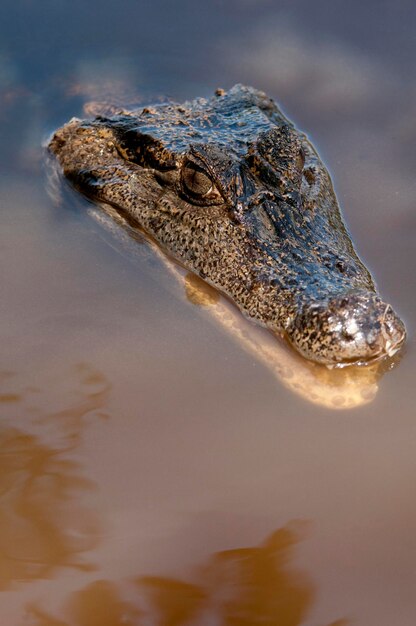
x,y
154,468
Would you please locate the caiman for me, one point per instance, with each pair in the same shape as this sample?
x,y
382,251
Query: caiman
x,y
230,189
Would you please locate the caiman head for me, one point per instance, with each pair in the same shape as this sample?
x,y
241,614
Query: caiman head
x,y
231,190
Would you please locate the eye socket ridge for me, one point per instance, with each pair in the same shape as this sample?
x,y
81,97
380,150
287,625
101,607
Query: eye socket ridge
x,y
197,184
146,151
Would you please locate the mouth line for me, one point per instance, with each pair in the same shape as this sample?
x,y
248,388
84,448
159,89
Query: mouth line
x,y
387,352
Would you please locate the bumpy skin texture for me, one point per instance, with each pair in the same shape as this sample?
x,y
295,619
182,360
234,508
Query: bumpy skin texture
x,y
229,188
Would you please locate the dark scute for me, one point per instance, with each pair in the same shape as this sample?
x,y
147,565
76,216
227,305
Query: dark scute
x,y
145,150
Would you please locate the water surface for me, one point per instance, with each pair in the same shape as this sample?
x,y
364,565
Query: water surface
x,y
152,470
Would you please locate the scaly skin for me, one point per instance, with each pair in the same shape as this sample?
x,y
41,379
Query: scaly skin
x,y
236,194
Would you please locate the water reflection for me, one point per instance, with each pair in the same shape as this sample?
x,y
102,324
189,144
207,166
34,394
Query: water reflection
x,y
93,391
173,602
241,587
44,524
332,77
98,604
41,527
335,389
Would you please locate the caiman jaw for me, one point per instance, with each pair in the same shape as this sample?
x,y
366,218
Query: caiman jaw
x,y
353,328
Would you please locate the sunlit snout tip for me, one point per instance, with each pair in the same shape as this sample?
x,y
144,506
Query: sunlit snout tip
x,y
393,332
355,328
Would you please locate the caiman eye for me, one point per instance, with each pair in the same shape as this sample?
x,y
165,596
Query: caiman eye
x,y
195,181
198,186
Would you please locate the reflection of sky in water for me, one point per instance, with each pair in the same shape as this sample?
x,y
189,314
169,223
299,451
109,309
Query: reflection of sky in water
x,y
218,459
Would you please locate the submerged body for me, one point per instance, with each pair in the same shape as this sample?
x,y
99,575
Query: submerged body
x,y
236,194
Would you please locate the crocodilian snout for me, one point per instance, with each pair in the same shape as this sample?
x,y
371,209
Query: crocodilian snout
x,y
353,328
